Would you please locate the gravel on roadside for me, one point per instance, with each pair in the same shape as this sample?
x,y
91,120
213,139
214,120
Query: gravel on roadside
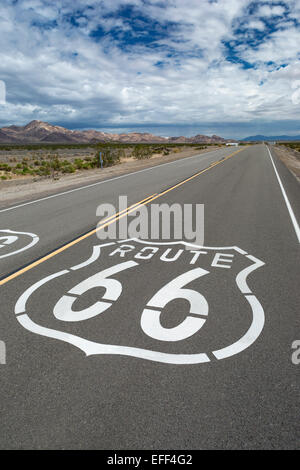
x,y
290,157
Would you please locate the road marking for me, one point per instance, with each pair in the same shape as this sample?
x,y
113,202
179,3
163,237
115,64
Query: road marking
x,y
21,303
241,278
288,205
15,237
113,289
114,219
125,211
172,290
102,182
95,255
107,221
250,336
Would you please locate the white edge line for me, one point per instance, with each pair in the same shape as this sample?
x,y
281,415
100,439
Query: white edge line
x,y
102,182
288,205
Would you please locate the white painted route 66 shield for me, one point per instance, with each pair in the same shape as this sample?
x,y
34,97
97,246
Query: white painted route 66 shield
x,y
12,242
155,301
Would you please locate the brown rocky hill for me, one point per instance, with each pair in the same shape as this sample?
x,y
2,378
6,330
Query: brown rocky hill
x,y
43,132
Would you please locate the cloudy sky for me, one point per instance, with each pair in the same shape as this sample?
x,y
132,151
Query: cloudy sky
x,y
229,67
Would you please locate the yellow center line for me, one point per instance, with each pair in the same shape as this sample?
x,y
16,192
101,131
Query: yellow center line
x,y
110,220
127,208
105,223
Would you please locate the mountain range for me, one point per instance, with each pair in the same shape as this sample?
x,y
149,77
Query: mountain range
x,y
258,138
43,132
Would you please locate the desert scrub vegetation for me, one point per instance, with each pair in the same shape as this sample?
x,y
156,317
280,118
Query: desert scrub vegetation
x,y
110,156
35,148
140,151
54,160
291,145
45,168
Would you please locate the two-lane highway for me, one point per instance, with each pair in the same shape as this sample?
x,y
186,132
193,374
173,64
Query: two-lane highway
x,y
57,219
150,345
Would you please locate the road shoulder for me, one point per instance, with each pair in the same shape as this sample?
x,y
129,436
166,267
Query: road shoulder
x,y
291,159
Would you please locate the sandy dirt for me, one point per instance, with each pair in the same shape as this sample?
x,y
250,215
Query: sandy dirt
x,y
25,189
291,158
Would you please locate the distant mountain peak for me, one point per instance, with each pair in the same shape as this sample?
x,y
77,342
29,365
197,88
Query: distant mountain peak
x,y
259,138
39,131
43,125
36,123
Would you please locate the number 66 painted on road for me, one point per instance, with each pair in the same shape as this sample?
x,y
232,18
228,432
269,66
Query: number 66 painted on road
x,y
150,319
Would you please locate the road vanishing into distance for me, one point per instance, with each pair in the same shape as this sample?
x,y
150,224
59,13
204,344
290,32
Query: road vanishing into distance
x,y
155,344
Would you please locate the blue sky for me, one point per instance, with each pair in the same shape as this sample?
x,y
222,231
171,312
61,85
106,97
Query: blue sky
x,y
229,67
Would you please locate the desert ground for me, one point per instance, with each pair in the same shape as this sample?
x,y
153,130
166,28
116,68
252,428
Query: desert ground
x,y
76,168
290,156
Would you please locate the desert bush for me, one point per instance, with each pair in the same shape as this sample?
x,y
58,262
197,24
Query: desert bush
x,y
141,151
5,167
68,169
55,164
78,162
110,157
25,170
86,166
43,170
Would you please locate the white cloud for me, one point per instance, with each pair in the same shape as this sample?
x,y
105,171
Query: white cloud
x,y
256,24
281,47
58,73
270,10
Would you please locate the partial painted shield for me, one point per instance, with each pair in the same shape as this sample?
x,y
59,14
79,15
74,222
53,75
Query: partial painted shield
x,y
155,301
12,242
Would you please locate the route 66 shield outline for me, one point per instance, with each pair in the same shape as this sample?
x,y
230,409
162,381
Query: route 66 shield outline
x,y
94,348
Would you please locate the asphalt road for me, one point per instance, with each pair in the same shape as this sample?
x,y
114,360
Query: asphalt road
x,y
152,345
